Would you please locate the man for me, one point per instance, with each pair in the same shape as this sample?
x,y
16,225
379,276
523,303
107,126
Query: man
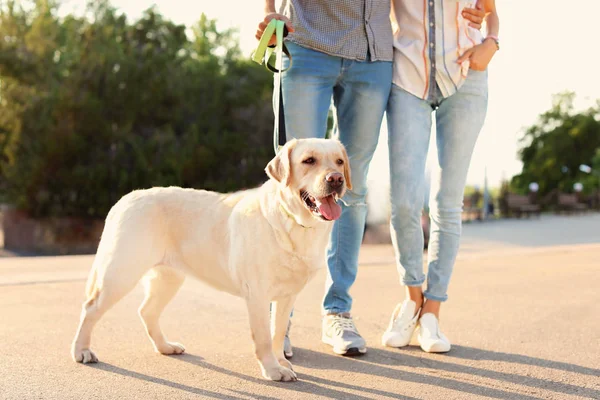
x,y
341,51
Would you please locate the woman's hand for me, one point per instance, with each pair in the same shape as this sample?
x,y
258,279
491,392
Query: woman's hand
x,y
263,25
479,56
475,16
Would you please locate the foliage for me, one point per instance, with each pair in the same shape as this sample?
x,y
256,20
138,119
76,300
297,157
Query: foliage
x,y
554,148
94,106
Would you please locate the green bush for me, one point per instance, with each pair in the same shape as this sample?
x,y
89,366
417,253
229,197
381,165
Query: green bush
x,y
94,107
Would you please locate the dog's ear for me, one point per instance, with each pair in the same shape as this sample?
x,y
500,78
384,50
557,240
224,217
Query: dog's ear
x,y
280,167
347,173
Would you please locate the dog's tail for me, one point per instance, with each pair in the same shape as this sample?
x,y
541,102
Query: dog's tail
x,y
90,286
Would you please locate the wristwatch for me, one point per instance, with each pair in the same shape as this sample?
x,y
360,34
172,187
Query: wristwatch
x,y
495,39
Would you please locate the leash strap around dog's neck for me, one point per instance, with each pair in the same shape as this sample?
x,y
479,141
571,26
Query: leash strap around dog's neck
x,y
264,53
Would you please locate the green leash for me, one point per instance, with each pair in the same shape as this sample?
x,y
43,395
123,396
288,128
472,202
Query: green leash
x,y
273,59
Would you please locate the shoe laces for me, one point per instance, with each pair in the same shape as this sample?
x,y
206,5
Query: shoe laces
x,y
342,324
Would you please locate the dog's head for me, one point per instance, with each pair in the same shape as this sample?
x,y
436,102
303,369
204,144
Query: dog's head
x,y
313,174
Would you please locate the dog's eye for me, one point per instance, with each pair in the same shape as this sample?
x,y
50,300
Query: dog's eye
x,y
340,161
309,160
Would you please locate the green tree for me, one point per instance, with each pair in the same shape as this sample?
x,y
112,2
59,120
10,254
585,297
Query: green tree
x,y
94,107
554,148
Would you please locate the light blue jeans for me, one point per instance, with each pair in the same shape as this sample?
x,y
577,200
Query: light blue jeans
x,y
360,92
459,119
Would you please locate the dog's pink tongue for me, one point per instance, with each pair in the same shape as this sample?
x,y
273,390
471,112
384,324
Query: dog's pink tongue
x,y
329,208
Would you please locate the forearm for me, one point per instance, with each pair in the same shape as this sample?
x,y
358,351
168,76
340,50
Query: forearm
x,y
270,6
492,21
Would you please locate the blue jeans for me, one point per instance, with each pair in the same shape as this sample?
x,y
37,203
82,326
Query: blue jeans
x,y
459,119
360,92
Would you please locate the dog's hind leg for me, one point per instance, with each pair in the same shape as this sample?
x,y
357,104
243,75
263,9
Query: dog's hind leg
x,y
161,284
114,276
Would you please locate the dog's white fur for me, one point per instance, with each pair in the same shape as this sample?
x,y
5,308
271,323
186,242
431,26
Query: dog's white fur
x,y
262,245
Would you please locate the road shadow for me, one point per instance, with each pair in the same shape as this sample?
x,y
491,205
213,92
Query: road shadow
x,y
305,384
164,382
377,362
383,363
471,353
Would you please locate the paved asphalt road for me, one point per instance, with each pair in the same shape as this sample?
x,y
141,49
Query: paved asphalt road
x,y
523,318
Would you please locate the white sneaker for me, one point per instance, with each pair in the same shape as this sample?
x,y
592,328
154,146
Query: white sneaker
x,y
430,338
340,333
402,325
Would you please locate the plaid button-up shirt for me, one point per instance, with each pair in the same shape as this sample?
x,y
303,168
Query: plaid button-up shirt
x,y
352,29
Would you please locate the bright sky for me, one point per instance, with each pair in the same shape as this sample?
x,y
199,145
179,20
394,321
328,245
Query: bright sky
x,y
547,47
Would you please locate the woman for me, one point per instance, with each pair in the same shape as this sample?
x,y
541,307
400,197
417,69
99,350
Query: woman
x,y
440,65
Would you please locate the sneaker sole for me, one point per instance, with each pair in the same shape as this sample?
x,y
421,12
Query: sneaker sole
x,y
352,351
436,348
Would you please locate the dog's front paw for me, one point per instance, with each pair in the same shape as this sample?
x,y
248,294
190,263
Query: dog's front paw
x,y
85,356
280,373
285,363
168,348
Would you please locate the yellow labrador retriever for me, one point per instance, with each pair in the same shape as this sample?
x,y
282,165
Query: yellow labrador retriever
x,y
262,244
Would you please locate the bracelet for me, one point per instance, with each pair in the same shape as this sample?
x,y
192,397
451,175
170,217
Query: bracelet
x,y
495,39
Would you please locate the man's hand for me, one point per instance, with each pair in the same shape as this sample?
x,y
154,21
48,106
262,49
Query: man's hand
x,y
263,25
479,56
475,15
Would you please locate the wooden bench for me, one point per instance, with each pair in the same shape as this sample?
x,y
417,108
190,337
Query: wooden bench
x,y
519,205
594,200
568,202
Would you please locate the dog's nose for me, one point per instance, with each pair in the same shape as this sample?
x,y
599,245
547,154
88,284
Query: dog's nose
x,y
334,179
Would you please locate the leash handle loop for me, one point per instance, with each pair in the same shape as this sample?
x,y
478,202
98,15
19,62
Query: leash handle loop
x,y
264,53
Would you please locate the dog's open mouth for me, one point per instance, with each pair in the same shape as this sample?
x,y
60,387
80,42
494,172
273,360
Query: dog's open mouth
x,y
325,207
